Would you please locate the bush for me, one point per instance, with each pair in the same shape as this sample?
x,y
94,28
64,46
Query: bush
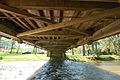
x,y
75,58
105,58
1,57
41,53
26,53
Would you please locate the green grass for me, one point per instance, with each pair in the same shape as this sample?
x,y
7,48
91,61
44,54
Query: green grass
x,y
78,58
33,57
23,57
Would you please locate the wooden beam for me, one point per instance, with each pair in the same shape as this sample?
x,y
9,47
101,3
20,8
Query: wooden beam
x,y
77,31
28,38
51,46
53,42
40,14
51,15
14,20
21,22
112,12
108,30
30,22
22,13
75,15
7,32
61,15
51,35
63,4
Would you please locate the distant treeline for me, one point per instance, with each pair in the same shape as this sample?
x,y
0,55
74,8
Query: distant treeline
x,y
107,46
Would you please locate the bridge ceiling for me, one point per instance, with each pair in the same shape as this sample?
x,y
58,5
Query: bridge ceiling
x,y
59,24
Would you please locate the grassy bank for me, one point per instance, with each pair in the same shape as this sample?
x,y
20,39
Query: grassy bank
x,y
92,58
23,57
35,57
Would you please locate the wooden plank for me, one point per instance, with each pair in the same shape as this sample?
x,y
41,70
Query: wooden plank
x,y
76,14
61,15
85,25
102,0
106,31
51,35
28,38
7,32
77,31
40,14
53,42
52,15
29,21
63,4
22,13
112,12
50,46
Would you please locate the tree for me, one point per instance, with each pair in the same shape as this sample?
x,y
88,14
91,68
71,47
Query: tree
x,y
83,50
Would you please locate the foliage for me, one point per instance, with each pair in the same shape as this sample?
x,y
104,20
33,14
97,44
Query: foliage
x,y
1,57
77,58
106,46
108,58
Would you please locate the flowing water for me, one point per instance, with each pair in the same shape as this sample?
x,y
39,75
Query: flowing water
x,y
70,70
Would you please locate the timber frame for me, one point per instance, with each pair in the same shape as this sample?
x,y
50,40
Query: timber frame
x,y
58,25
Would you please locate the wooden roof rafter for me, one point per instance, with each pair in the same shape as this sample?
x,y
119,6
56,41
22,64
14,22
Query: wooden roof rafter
x,y
14,20
112,12
110,29
21,21
31,23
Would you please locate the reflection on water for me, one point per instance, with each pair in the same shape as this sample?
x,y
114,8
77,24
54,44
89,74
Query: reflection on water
x,y
111,66
107,63
70,70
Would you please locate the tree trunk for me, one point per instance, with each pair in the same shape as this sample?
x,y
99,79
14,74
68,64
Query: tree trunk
x,y
72,51
12,46
83,50
18,49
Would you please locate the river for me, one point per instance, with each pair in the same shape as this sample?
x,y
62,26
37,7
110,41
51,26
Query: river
x,y
70,70
59,70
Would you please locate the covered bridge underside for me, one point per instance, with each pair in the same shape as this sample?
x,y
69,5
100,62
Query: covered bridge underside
x,y
59,25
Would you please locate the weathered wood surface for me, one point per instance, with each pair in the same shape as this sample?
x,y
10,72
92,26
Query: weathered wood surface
x,y
59,24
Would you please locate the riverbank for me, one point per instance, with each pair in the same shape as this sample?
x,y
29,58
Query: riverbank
x,y
22,57
37,57
19,70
